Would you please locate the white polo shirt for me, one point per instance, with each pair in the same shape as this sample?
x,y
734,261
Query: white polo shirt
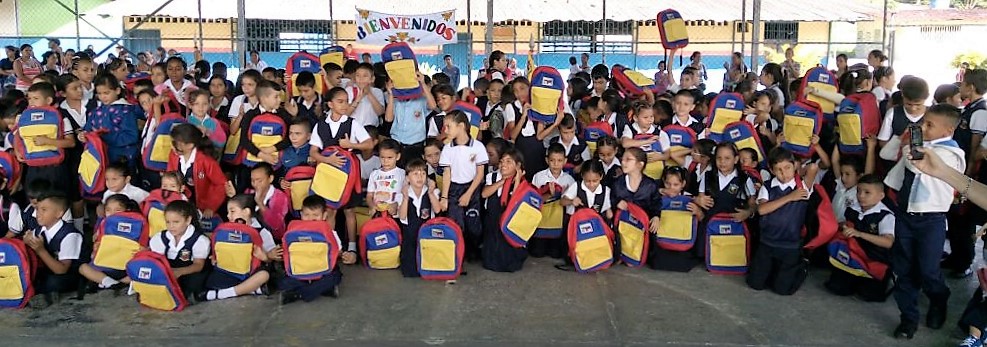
x,y
200,249
886,132
71,245
267,240
572,192
364,111
724,181
764,196
466,158
568,147
136,194
15,222
886,226
544,177
240,102
390,182
357,132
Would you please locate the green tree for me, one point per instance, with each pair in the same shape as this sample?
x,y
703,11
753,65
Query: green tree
x,y
976,60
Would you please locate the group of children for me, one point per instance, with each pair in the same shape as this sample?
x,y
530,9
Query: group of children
x,y
607,149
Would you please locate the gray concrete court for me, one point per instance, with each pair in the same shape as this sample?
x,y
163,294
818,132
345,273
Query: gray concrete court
x,y
540,306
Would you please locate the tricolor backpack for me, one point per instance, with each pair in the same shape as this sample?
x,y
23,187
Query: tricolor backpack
x,y
233,249
803,119
18,266
152,278
593,132
265,130
743,135
590,241
333,54
299,180
727,245
545,94
441,248
380,243
310,250
35,122
119,237
160,146
473,113
672,29
632,225
92,167
337,184
154,205
233,153
402,67
634,83
677,230
298,63
821,79
848,255
10,169
858,118
725,109
522,213
552,216
131,82
652,169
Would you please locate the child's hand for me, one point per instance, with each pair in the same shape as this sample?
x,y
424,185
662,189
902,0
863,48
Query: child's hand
x,y
431,185
285,185
268,150
524,110
259,253
741,215
335,160
655,225
464,200
345,142
798,194
814,140
704,201
268,158
276,253
749,110
159,100
207,213
692,207
576,202
230,191
443,205
484,126
33,241
781,138
622,205
850,232
653,156
82,136
42,140
871,141
291,107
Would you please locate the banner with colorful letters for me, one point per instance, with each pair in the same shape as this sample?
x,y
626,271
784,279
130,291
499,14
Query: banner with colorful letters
x,y
377,28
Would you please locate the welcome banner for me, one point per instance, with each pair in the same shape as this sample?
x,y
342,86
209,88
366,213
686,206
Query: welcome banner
x,y
377,28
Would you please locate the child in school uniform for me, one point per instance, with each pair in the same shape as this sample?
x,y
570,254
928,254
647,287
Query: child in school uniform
x,y
726,188
176,83
185,246
386,184
759,115
202,118
848,171
269,102
118,182
445,98
606,154
24,218
313,209
463,160
699,163
219,103
104,278
551,183
431,154
417,200
309,101
674,181
575,152
300,134
655,145
589,192
115,122
528,135
74,110
782,204
58,245
245,102
347,133
749,161
872,224
368,102
272,203
242,209
43,95
498,254
683,104
369,160
203,178
635,187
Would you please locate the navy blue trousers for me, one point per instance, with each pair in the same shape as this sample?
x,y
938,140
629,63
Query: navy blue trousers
x,y
915,259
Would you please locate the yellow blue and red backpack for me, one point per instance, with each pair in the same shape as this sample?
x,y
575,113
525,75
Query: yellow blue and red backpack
x,y
821,79
35,122
633,83
299,180
725,109
160,145
380,243
848,255
679,137
590,241
402,67
154,205
441,248
92,168
545,94
10,169
119,238
310,250
233,249
152,278
672,29
327,179
652,169
522,215
803,119
727,245
333,54
632,225
858,117
265,130
301,62
678,226
595,131
131,82
233,153
551,220
743,135
17,268
473,113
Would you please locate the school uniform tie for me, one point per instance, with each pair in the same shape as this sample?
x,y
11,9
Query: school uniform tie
x,y
906,190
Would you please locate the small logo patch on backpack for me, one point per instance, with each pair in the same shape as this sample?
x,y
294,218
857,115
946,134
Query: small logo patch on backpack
x,y
37,116
3,257
585,228
144,273
731,103
725,229
267,131
380,240
234,236
438,233
124,228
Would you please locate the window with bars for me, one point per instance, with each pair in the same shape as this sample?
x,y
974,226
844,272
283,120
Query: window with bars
x,y
781,31
275,35
585,36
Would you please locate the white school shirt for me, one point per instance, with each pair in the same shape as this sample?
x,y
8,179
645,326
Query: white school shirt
x,y
886,131
266,238
843,198
886,225
575,141
364,111
544,177
512,117
572,193
200,249
15,222
466,158
431,129
416,200
180,94
136,194
78,117
240,102
978,120
185,164
724,181
390,182
357,132
663,138
763,195
71,245
880,93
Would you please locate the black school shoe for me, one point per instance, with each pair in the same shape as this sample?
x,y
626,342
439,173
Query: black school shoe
x,y
905,330
289,297
332,293
936,316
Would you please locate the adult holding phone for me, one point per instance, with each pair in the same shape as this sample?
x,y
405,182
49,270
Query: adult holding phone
x,y
931,164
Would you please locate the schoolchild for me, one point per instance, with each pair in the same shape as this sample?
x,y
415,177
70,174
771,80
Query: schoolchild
x,y
243,209
58,245
498,255
463,160
417,200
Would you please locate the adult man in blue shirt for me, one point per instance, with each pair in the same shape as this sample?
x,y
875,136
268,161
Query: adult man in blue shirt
x,y
452,71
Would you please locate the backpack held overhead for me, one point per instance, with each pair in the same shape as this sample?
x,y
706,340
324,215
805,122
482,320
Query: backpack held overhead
x,y
441,248
154,282
233,249
821,79
380,243
310,250
402,67
590,241
299,62
337,184
744,135
677,225
18,266
803,119
634,83
37,122
92,168
333,54
159,148
119,238
858,118
632,225
727,246
265,130
522,213
545,94
672,28
725,109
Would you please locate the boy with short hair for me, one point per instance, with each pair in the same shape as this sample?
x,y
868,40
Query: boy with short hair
x,y
575,152
24,219
58,246
407,118
551,184
452,71
368,102
268,102
920,226
333,75
313,209
43,95
299,134
309,101
682,105
386,183
689,80
914,92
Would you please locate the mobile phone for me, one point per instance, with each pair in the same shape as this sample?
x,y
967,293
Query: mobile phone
x,y
915,141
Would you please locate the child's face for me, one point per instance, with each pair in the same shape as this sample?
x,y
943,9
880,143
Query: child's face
x,y
673,184
298,135
158,75
200,106
556,161
606,153
935,127
445,101
176,73
914,106
121,72
249,86
688,81
591,180
176,223
452,128
432,155
417,178
271,101
599,85
339,104
521,92
335,78
182,148
306,92
849,176
763,104
86,73
312,214
115,181
683,105
766,79
494,157
269,76
388,158
217,87
955,100
73,91
234,212
645,119
699,157
508,167
494,92
363,77
48,213
146,102
113,207
726,160
630,164
170,184
784,171
869,195
107,95
36,99
746,160
260,180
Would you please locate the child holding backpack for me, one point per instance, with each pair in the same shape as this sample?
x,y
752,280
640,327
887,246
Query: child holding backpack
x,y
115,122
241,209
418,200
498,254
292,289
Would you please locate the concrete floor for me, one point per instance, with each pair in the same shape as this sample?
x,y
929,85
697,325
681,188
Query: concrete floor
x,y
540,306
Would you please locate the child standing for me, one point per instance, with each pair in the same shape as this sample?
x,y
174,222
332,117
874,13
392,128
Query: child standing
x,y
309,100
385,187
498,255
43,95
300,134
655,144
463,160
674,180
417,200
551,183
115,122
872,224
407,120
220,285
528,135
200,117
58,246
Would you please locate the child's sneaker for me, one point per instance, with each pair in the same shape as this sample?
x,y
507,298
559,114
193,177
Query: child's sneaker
x,y
972,341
